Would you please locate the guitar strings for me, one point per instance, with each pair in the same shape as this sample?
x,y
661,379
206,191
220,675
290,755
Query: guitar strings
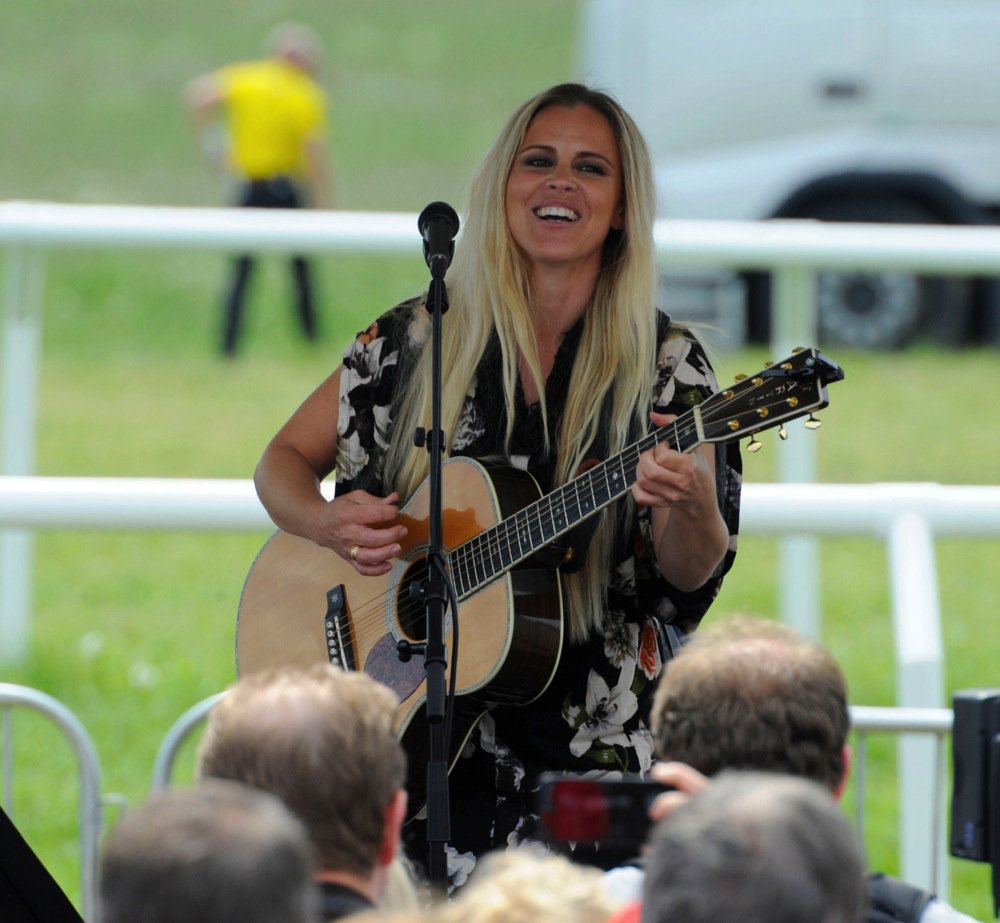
x,y
492,552
500,539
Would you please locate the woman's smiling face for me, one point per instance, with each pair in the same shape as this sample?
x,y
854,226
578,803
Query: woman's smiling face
x,y
564,190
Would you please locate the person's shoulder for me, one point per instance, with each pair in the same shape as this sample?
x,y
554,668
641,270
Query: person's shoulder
x,y
241,68
896,901
404,322
406,312
303,81
669,329
676,340
239,72
937,911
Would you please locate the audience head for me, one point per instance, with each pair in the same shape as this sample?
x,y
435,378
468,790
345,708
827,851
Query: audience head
x,y
754,694
322,741
758,848
296,42
216,853
526,884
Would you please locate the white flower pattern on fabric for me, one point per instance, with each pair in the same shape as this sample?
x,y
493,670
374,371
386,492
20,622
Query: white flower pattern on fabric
x,y
352,457
602,721
459,865
366,361
641,741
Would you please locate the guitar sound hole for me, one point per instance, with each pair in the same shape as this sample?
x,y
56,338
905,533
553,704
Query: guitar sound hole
x,y
410,604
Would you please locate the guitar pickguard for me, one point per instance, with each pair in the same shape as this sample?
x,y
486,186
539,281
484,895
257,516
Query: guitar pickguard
x,y
383,664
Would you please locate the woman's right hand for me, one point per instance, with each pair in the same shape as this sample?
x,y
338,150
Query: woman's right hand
x,y
363,529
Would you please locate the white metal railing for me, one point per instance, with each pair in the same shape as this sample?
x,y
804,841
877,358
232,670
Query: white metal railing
x,y
88,769
792,250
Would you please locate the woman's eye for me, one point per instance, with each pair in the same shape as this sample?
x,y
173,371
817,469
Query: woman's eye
x,y
592,168
538,162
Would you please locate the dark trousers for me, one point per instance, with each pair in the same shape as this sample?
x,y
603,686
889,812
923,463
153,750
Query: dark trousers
x,y
279,192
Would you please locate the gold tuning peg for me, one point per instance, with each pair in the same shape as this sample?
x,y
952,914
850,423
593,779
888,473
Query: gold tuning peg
x,y
798,349
754,445
768,364
782,432
812,422
739,377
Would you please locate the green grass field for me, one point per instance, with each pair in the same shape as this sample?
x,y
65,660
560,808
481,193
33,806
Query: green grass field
x,y
132,628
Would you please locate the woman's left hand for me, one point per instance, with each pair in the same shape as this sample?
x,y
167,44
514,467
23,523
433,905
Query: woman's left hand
x,y
689,534
668,478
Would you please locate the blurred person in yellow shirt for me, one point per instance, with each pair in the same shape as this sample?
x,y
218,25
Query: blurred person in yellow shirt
x,y
266,122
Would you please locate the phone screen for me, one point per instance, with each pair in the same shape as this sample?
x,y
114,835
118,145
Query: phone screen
x,y
610,815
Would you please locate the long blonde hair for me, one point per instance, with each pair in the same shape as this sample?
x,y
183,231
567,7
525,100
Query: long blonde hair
x,y
489,289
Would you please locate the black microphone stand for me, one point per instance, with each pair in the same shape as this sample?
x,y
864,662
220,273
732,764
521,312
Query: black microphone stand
x,y
434,590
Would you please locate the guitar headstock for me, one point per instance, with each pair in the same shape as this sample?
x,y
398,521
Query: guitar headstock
x,y
781,391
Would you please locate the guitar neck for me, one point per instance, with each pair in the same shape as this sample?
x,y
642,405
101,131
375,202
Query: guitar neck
x,y
493,552
779,392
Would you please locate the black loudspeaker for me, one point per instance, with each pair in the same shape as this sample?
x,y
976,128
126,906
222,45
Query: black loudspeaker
x,y
975,799
28,893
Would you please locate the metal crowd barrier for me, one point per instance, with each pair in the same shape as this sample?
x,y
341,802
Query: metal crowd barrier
x,y
91,804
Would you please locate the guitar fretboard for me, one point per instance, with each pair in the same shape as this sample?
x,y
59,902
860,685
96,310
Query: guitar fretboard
x,y
781,391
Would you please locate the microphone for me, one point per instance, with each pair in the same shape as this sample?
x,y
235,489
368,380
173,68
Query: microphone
x,y
438,225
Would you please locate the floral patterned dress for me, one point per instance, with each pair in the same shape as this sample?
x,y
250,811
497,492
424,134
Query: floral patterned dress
x,y
593,715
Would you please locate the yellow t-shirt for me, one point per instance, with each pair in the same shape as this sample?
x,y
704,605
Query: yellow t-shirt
x,y
272,110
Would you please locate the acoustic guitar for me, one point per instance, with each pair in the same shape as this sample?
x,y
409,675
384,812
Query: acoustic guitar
x,y
302,603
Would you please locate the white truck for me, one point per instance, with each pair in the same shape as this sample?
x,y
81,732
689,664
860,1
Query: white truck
x,y
839,110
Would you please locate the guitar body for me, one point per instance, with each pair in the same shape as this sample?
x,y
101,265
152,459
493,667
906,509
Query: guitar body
x,y
303,604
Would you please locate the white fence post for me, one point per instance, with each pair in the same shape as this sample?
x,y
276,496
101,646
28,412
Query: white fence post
x,y
919,684
21,336
793,323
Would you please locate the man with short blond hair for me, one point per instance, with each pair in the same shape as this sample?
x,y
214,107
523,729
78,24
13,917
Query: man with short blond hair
x,y
322,740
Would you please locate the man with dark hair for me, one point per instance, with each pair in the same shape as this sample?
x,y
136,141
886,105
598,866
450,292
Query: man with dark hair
x,y
216,853
755,694
758,848
322,741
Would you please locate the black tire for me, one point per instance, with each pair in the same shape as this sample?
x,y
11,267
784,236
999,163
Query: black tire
x,y
889,309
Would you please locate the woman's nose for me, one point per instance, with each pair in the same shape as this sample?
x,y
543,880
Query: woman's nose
x,y
561,179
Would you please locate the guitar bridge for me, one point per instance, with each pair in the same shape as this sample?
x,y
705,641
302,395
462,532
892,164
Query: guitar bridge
x,y
337,630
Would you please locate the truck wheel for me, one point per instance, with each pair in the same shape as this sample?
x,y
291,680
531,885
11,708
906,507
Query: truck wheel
x,y
868,310
888,309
